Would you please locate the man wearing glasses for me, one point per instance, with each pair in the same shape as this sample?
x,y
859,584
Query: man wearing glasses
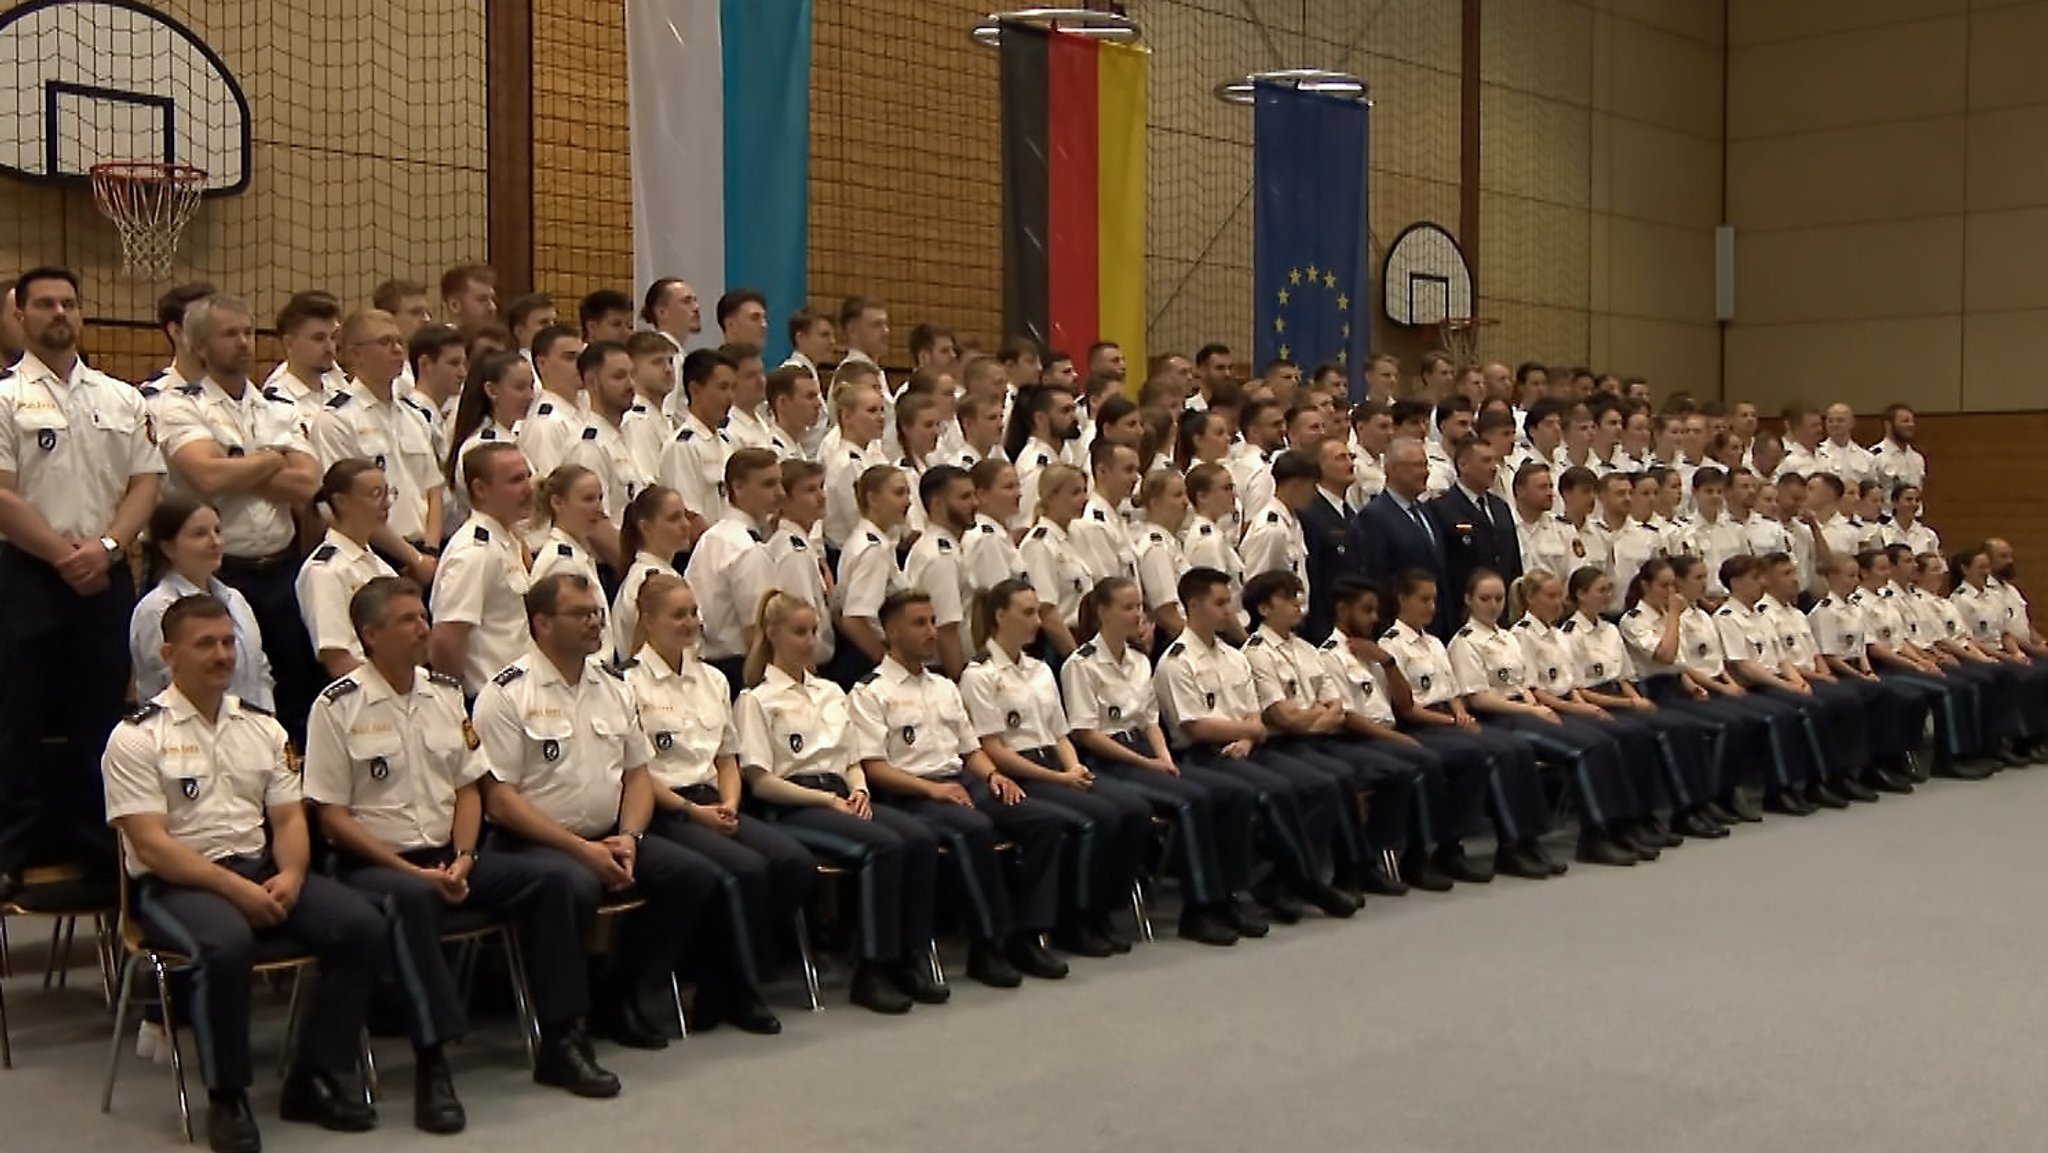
x,y
367,420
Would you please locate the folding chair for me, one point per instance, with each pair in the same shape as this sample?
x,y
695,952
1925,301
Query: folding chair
x,y
65,893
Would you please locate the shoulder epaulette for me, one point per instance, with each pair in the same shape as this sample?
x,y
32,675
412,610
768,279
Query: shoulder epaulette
x,y
1156,537
272,393
1087,650
1389,634
417,407
754,535
618,674
874,539
507,675
1525,622
148,391
190,389
985,528
797,542
1561,518
1176,649
325,552
143,712
686,433
1727,610
444,680
1466,631
639,408
868,677
629,663
1272,518
589,432
1207,530
1330,644
488,433
1038,533
1634,612
945,545
1570,624
565,550
1254,641
338,400
259,710
1098,514
340,688
483,535
547,408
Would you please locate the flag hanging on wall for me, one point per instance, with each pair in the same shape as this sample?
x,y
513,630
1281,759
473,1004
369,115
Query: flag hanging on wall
x,y
1073,191
720,113
1311,247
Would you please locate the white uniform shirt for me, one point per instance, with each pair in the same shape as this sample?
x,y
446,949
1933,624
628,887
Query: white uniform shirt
x,y
1599,654
1840,628
1634,545
1101,542
1938,618
1015,700
74,444
1851,462
1895,464
1106,694
844,465
989,557
731,572
1798,460
1363,684
626,605
1368,476
694,464
1916,536
797,556
1748,635
1714,541
1273,542
252,680
686,715
560,552
1551,544
647,432
1209,545
393,760
251,525
1197,680
935,566
213,783
1031,461
482,582
336,571
566,747
1285,667
1699,644
547,434
1253,474
790,728
1547,654
390,434
1489,659
1425,662
1884,624
602,448
868,572
1796,643
745,429
1161,561
490,432
1986,613
1057,571
915,721
1643,628
306,398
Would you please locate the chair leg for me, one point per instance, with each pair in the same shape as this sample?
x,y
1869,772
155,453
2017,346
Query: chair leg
x,y
6,954
522,995
6,1043
125,993
367,1058
810,964
50,958
109,952
291,1023
931,958
675,994
163,996
1139,910
64,958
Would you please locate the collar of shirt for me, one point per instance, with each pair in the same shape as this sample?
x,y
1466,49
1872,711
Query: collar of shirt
x,y
1100,509
759,529
377,688
893,671
1533,626
32,369
544,674
1275,639
1584,622
1478,499
660,669
345,550
1197,648
1334,499
1002,662
181,708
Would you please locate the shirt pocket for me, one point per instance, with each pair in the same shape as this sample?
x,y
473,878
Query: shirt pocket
x,y
376,761
190,785
40,430
547,740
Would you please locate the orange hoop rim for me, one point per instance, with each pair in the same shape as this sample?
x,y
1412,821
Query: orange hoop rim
x,y
148,170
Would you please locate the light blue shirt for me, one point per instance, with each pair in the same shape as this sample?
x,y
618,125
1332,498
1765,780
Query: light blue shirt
x,y
252,680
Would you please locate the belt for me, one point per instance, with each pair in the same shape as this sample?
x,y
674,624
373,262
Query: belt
x,y
701,794
284,556
824,782
1044,756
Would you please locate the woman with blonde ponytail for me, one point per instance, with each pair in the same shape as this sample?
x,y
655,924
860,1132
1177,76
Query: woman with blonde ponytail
x,y
568,506
684,707
799,754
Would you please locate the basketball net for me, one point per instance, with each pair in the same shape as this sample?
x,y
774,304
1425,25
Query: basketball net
x,y
1460,337
150,203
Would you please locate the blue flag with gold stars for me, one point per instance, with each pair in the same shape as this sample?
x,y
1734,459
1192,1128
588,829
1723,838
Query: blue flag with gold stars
x,y
1310,250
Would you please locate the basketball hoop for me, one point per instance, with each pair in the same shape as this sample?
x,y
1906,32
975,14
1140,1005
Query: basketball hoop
x,y
1459,336
150,203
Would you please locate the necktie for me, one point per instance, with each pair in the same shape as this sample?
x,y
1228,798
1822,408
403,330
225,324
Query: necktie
x,y
1422,522
1485,512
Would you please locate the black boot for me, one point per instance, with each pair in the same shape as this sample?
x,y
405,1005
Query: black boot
x,y
435,1107
1032,959
1206,925
1241,919
987,964
563,1061
1597,848
230,1126
321,1099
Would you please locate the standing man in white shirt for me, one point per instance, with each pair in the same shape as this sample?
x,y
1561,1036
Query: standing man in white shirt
x,y
307,327
647,425
1804,431
605,314
479,614
1894,460
742,317
79,474
557,417
368,421
730,568
694,462
746,425
230,444
469,295
795,406
937,563
864,322
601,446
1840,454
671,308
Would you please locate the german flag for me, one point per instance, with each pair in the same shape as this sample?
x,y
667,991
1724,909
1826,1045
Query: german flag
x,y
1073,190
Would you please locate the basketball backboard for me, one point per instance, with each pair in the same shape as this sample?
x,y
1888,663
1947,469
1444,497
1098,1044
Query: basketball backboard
x,y
83,82
1425,279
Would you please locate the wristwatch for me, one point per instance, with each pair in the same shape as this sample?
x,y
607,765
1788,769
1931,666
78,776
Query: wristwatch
x,y
112,545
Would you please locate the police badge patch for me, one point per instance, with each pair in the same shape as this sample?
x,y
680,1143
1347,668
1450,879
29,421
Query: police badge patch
x,y
1116,712
1501,675
910,733
381,768
190,787
796,742
1208,700
551,750
1578,547
664,741
46,439
1012,719
1422,682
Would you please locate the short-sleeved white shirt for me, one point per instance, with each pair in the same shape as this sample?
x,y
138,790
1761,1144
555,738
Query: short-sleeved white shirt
x,y
1109,694
1796,642
331,576
730,571
1746,634
868,572
790,728
1057,572
1017,700
1489,659
1643,628
602,448
935,566
1286,667
915,721
1362,684
1425,663
567,748
213,783
1840,628
693,463
1599,654
1699,644
390,434
647,431
686,714
1161,561
626,605
560,552
1985,612
393,760
989,557
1547,655
1197,680
252,680
843,465
1883,623
74,444
1273,542
251,525
482,582
547,434
1100,541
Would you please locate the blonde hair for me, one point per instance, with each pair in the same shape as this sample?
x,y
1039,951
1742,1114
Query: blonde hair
x,y
776,609
650,597
553,486
1054,476
1156,484
1525,588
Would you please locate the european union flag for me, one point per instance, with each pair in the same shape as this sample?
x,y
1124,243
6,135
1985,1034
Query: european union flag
x,y
1310,252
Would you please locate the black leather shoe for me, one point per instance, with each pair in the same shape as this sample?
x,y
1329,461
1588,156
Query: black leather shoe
x,y
1719,814
1744,808
1451,860
1967,770
1280,905
873,990
1514,861
1699,824
1660,834
1853,789
1379,883
624,1024
1421,873
1542,856
1206,926
1639,842
1788,804
1334,902
563,1063
1823,794
1080,938
987,964
10,888
2010,757
1105,925
1600,849
1242,920
1032,959
231,1127
742,1008
915,978
435,1107
320,1099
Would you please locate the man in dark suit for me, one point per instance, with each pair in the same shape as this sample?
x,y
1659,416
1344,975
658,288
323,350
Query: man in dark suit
x,y
1477,528
1329,526
1395,531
